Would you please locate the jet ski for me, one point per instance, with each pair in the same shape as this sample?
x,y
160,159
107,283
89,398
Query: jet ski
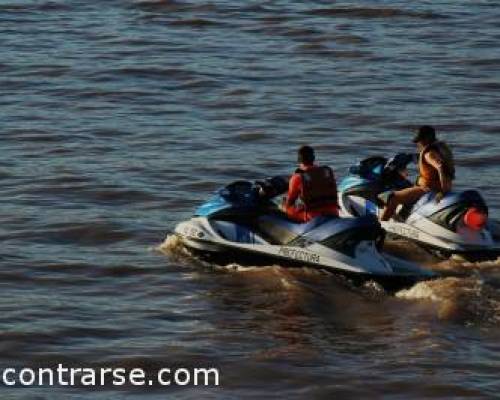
x,y
243,223
456,225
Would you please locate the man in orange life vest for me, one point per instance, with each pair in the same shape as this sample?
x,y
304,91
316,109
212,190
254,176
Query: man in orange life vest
x,y
436,172
315,186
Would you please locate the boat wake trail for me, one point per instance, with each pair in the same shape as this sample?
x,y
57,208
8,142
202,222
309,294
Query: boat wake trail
x,y
469,301
466,293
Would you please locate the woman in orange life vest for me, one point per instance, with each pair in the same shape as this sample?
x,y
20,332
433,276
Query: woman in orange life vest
x,y
314,185
436,172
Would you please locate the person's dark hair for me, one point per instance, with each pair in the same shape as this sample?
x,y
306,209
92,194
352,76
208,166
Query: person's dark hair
x,y
425,134
306,155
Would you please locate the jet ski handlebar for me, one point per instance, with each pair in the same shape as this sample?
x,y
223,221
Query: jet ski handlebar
x,y
269,188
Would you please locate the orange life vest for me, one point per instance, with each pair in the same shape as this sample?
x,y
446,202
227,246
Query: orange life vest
x,y
428,175
319,187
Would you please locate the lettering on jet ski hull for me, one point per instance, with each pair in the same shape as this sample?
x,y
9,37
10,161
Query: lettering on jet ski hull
x,y
403,231
299,255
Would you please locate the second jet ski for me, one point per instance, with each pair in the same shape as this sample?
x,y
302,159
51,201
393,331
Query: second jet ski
x,y
458,224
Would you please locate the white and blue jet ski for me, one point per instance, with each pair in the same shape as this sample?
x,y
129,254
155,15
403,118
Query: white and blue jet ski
x,y
442,227
243,223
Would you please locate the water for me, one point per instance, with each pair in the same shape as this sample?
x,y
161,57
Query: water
x,y
117,118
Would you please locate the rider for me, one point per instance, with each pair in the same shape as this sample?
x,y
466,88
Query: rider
x,y
436,172
314,185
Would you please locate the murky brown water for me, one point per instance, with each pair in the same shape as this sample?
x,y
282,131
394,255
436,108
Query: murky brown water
x,y
117,118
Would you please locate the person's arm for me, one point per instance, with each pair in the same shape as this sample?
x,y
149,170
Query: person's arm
x,y
293,190
435,160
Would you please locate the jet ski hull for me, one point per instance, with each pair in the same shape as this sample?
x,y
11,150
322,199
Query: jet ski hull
x,y
221,255
204,242
445,245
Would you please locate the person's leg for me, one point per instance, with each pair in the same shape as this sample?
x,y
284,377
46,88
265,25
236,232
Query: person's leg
x,y
405,196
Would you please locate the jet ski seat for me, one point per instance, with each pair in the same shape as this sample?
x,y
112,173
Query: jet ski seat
x,y
280,230
283,231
